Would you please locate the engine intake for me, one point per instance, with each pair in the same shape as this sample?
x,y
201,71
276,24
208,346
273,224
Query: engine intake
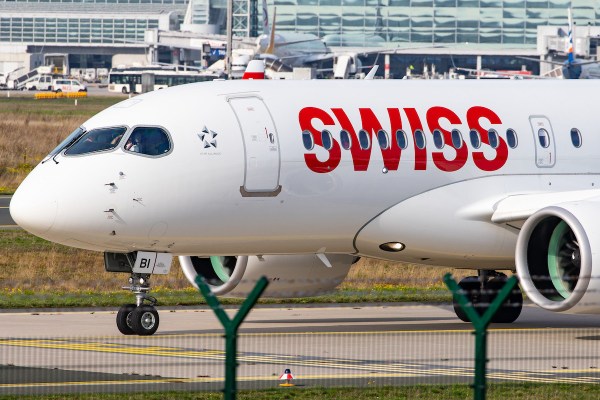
x,y
557,258
289,275
222,274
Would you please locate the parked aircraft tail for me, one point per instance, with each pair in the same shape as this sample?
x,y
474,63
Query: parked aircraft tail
x,y
255,70
571,49
265,15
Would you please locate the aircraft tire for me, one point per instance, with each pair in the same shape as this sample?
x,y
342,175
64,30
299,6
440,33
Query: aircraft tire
x,y
123,323
472,288
510,310
144,320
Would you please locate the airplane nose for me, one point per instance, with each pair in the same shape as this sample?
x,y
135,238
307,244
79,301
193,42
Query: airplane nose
x,y
33,210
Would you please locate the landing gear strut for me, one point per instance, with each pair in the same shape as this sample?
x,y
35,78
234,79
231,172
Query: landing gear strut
x,y
482,290
139,318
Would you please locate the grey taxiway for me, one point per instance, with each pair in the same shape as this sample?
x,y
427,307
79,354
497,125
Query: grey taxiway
x,y
62,351
358,345
5,220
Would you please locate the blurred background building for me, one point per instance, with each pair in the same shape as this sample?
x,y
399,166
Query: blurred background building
x,y
106,33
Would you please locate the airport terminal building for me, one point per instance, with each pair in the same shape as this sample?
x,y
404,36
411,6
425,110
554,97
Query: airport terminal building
x,y
507,22
95,34
105,33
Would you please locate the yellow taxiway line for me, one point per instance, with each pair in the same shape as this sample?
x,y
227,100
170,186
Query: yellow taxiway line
x,y
370,369
303,378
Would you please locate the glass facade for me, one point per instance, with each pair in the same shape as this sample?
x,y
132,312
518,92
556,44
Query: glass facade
x,y
97,1
83,22
65,30
431,21
356,22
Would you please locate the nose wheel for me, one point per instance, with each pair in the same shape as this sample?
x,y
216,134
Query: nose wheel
x,y
138,319
142,320
124,319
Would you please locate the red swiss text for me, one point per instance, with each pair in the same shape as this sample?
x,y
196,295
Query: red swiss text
x,y
410,120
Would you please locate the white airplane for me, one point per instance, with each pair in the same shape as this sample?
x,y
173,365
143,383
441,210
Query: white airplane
x,y
289,49
295,180
282,51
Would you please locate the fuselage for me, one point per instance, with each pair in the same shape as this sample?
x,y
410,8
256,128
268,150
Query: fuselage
x,y
293,49
241,177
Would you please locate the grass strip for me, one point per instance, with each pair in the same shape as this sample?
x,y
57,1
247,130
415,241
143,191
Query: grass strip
x,y
15,299
27,106
35,273
30,129
499,391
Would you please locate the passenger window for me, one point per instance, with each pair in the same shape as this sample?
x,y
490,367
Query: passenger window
x,y
493,138
401,139
438,139
307,140
543,137
475,139
327,139
382,138
97,140
511,138
364,139
420,139
576,137
151,141
346,140
457,140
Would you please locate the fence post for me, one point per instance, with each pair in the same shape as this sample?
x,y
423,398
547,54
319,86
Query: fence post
x,y
480,323
231,327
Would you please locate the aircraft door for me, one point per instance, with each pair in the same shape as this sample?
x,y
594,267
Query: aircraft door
x,y
261,145
543,136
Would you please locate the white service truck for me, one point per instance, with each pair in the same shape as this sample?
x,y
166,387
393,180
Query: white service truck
x,y
40,82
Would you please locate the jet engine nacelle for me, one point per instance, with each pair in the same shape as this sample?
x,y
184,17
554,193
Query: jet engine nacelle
x,y
558,257
289,275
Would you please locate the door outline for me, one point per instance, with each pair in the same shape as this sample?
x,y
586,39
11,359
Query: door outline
x,y
545,157
266,192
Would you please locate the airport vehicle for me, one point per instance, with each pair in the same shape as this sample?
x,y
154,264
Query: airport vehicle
x,y
40,82
18,78
297,179
67,85
58,63
126,80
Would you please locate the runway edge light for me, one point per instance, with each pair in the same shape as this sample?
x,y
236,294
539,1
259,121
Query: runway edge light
x,y
287,377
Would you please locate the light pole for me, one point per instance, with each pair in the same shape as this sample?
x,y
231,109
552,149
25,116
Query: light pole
x,y
229,38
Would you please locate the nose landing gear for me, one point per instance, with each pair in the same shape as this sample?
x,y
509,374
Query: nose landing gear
x,y
141,319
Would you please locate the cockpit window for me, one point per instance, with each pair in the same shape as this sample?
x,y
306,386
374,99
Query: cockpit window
x,y
72,138
151,141
100,139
